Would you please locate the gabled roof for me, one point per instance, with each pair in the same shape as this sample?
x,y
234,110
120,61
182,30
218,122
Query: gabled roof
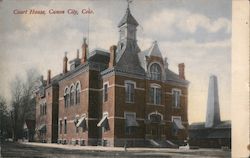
x,y
154,50
128,18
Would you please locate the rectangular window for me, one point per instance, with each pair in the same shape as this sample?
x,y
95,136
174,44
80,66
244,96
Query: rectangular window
x,y
129,129
155,95
45,109
77,129
176,98
65,126
130,92
105,92
158,96
151,93
60,126
41,110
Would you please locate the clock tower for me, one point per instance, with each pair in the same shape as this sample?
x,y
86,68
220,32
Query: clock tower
x,y
127,31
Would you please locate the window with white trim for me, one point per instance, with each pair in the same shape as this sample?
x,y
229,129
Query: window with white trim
x,y
155,118
72,95
60,126
78,89
105,92
130,92
155,71
66,97
176,98
129,116
43,109
155,95
65,126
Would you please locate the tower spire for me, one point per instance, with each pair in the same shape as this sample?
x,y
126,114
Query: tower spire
x,y
129,1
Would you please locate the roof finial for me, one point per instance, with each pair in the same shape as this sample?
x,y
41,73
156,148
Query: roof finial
x,y
129,1
77,54
84,40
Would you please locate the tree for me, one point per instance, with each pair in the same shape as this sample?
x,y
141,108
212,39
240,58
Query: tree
x,y
23,102
5,128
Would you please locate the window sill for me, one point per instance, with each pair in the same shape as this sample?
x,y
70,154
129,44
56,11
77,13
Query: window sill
x,y
129,102
176,107
154,104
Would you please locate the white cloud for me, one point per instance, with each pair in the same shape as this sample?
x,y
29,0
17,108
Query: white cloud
x,y
41,41
168,20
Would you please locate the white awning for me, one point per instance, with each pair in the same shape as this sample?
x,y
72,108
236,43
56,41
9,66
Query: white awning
x,y
42,127
103,122
131,122
25,126
81,121
178,124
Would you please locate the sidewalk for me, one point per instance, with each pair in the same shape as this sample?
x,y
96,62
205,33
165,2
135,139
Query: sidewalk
x,y
101,148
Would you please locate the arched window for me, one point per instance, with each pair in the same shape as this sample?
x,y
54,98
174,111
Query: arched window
x,y
72,95
155,118
66,97
155,71
78,89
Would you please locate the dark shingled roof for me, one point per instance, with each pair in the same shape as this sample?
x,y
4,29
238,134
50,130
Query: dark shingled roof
x,y
201,125
128,18
220,134
199,131
171,76
100,56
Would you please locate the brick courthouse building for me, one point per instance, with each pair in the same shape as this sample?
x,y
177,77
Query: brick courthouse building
x,y
111,98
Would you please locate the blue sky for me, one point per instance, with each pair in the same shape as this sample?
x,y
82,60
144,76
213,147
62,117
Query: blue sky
x,y
196,32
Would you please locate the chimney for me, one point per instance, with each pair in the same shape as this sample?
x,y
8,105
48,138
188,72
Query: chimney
x,y
77,54
84,51
181,71
41,78
65,63
49,77
165,63
112,56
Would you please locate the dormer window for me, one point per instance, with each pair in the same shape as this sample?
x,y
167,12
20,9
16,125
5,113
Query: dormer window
x,y
155,71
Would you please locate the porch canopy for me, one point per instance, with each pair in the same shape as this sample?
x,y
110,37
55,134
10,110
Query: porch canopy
x,y
81,122
178,124
103,122
42,127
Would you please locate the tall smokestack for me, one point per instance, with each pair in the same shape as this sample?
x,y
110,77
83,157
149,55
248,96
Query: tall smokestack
x,y
65,63
84,51
112,57
181,67
49,77
213,109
